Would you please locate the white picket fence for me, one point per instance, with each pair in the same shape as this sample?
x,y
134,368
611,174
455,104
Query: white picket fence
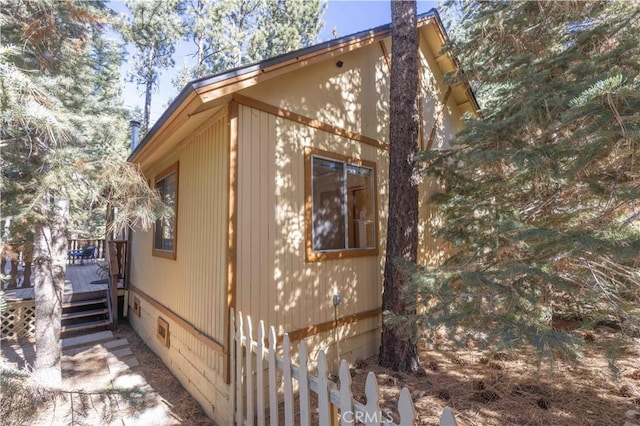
x,y
249,358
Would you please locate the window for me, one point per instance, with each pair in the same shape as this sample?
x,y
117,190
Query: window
x,y
164,235
341,207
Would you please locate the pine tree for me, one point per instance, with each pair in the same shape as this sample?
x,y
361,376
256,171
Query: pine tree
x,y
396,351
230,33
284,26
540,212
63,133
153,28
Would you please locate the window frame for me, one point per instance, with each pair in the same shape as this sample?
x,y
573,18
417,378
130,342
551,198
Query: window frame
x,y
317,256
169,254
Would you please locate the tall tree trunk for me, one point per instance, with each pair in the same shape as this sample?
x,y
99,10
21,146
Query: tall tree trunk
x,y
147,105
50,250
148,90
198,36
402,228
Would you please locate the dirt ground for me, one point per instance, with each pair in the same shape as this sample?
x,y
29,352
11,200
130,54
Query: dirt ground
x,y
496,389
514,388
499,389
90,373
184,408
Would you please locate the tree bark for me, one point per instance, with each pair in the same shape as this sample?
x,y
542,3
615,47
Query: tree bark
x,y
148,91
50,249
402,228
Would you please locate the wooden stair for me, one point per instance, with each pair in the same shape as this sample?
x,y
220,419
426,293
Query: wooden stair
x,y
85,313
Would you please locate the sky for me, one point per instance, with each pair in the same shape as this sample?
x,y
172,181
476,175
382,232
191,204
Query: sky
x,y
346,16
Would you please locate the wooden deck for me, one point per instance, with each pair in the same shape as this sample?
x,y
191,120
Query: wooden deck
x,y
79,279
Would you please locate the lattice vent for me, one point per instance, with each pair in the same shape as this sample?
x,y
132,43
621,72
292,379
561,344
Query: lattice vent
x,y
18,320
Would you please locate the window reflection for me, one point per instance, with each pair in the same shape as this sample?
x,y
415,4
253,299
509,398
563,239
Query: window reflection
x,y
342,205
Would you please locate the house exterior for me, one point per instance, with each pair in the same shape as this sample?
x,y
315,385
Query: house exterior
x,y
277,173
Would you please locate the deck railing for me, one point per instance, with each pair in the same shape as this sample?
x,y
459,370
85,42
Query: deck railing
x,y
117,271
79,244
16,260
17,256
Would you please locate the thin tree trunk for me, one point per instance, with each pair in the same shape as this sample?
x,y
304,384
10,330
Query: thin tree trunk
x,y
148,91
50,249
147,105
402,228
199,39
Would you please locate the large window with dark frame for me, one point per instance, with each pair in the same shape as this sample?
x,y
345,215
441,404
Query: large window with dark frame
x,y
164,236
343,207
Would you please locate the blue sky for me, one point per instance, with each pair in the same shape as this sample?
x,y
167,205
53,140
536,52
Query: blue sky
x,y
346,16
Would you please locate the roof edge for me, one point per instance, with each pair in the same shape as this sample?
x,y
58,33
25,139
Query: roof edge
x,y
194,85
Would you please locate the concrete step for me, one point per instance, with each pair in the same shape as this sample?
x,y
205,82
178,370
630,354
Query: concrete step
x,y
109,345
87,339
121,353
118,366
114,344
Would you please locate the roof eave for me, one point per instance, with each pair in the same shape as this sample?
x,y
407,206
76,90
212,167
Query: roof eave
x,y
209,89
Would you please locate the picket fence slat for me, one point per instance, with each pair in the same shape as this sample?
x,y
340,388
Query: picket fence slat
x,y
239,341
248,358
249,372
406,408
303,383
324,412
288,385
372,409
260,373
232,355
273,390
346,399
447,418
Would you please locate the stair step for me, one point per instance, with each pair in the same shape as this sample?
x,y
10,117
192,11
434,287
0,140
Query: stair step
x,y
115,344
84,302
81,314
121,353
77,297
68,297
130,380
84,326
119,366
87,339
111,344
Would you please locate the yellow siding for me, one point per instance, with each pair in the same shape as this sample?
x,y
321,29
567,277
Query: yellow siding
x,y
353,97
193,285
196,375
275,283
430,250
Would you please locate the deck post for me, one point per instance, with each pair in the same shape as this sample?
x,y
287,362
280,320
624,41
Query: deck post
x,y
113,282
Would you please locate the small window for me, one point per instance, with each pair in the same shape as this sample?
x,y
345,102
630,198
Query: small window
x,y
341,207
164,235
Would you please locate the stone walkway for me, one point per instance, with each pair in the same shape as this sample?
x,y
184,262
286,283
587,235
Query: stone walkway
x,y
96,362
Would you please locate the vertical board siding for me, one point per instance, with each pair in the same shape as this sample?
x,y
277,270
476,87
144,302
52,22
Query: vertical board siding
x,y
194,284
431,250
274,280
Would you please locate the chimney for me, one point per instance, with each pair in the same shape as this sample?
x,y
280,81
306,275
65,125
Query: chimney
x,y
135,134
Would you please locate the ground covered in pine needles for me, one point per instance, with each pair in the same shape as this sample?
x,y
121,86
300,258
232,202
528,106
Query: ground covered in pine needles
x,y
183,406
514,388
86,397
